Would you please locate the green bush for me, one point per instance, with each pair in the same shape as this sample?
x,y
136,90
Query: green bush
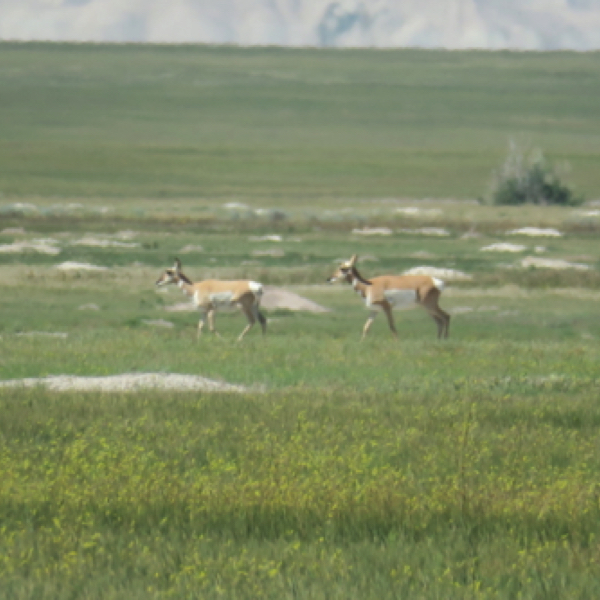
x,y
530,179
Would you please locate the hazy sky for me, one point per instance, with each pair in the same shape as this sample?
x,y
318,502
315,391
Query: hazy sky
x,y
523,24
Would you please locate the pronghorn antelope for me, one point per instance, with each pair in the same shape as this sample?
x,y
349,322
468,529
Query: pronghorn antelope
x,y
389,291
212,295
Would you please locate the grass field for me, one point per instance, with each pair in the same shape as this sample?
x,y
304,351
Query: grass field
x,y
415,468
286,125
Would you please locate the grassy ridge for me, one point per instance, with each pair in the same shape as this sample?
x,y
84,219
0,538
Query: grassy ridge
x,y
290,125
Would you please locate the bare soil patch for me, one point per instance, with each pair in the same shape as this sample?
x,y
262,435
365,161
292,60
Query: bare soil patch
x,y
77,266
444,274
548,263
504,247
535,232
127,382
275,297
39,246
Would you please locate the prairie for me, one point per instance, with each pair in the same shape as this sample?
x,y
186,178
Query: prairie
x,y
465,468
285,125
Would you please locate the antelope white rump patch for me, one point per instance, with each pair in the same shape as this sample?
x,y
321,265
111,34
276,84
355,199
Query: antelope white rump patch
x,y
255,287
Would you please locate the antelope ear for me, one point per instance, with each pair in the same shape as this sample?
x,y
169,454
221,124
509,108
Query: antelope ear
x,y
353,260
177,265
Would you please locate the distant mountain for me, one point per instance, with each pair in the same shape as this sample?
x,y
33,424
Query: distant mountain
x,y
453,24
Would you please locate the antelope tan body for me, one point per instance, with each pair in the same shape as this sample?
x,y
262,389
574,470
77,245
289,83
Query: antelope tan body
x,y
386,292
212,295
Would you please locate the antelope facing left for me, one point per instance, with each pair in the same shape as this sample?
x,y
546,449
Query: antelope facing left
x,y
212,295
388,291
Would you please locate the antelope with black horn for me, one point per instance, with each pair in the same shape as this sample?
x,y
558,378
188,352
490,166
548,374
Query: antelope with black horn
x,y
212,295
386,292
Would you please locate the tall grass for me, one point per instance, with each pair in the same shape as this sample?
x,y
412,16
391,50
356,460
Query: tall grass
x,y
300,495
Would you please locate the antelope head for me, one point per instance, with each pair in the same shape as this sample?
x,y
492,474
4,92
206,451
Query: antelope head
x,y
170,275
346,271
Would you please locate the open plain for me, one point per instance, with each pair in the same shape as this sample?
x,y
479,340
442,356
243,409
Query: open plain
x,y
140,462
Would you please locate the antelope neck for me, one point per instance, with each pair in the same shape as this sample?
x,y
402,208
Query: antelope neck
x,y
185,284
359,283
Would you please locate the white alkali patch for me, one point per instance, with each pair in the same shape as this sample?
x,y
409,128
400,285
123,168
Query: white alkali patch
x,y
444,274
504,247
535,232
373,231
77,266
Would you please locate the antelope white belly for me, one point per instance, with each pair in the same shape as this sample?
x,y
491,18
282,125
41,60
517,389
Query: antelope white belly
x,y
401,298
222,300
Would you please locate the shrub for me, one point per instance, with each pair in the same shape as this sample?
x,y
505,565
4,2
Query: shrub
x,y
527,178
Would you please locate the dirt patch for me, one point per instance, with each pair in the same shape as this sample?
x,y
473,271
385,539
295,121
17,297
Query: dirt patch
x,y
127,382
191,248
535,232
77,266
548,263
503,247
445,274
275,253
94,242
279,298
266,238
433,231
40,246
413,211
373,231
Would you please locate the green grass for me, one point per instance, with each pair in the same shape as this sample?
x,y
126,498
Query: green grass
x,y
290,125
466,468
465,494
